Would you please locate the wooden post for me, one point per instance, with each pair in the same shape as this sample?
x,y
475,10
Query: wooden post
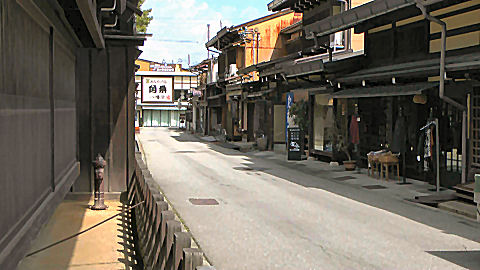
x,y
181,240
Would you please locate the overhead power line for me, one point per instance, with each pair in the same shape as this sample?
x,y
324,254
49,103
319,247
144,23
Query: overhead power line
x,y
176,41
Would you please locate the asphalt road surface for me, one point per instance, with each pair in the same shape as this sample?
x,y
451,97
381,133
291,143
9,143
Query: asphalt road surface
x,y
273,214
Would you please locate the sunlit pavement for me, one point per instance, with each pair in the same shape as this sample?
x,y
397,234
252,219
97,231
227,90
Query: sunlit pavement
x,y
107,246
272,214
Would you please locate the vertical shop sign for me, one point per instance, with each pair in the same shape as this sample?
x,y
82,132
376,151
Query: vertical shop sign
x,y
288,119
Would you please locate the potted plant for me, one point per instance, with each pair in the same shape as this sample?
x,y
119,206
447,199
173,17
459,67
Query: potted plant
x,y
299,112
349,164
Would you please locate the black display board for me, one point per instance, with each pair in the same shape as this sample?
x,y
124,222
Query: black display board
x,y
294,149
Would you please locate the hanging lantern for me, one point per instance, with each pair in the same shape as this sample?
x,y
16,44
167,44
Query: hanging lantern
x,y
420,99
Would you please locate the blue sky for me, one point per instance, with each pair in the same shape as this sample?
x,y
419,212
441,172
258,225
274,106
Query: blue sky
x,y
179,27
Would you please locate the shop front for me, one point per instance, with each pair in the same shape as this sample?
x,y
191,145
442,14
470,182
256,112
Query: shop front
x,y
397,119
259,116
323,125
234,112
161,97
215,111
162,117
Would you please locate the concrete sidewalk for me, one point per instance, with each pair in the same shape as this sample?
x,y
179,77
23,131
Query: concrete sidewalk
x,y
108,246
360,179
357,178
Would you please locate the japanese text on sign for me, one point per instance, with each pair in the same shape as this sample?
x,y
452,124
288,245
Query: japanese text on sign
x,y
157,89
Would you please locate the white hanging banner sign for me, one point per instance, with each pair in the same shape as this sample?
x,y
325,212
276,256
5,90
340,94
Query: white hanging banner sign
x,y
157,89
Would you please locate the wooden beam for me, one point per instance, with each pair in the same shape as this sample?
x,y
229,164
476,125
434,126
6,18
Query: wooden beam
x,y
88,11
307,4
135,9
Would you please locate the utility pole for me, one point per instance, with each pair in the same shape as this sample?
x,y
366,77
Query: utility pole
x,y
258,43
208,39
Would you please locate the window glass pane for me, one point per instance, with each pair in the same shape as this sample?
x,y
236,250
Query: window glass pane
x,y
174,119
176,95
147,118
178,79
165,121
155,118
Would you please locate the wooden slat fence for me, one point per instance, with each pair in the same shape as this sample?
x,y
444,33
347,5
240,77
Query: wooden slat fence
x,y
161,241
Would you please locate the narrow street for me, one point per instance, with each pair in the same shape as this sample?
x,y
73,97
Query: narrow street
x,y
273,214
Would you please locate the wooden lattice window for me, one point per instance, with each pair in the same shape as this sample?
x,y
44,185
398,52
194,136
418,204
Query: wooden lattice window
x,y
475,126
454,153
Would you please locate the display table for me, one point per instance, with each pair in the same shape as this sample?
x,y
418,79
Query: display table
x,y
386,161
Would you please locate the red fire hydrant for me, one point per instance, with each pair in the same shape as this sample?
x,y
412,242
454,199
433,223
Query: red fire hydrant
x,y
99,164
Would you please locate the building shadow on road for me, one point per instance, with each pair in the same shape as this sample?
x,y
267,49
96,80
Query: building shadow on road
x,y
336,182
467,259
224,148
343,184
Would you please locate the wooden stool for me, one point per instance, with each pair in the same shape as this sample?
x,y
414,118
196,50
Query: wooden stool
x,y
387,161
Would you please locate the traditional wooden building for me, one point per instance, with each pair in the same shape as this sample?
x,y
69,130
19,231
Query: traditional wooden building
x,y
421,61
205,75
378,63
66,94
241,47
301,69
162,91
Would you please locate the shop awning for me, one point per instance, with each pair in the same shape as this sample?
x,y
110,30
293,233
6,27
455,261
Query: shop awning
x,y
259,93
355,16
217,100
316,90
171,108
234,93
225,36
216,96
385,91
414,69
233,87
303,67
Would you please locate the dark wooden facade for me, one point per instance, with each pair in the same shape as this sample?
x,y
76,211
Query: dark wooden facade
x,y
402,51
66,94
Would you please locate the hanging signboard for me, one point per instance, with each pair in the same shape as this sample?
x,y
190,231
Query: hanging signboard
x,y
157,89
196,93
162,67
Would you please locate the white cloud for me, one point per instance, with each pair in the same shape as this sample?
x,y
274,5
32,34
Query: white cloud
x,y
179,28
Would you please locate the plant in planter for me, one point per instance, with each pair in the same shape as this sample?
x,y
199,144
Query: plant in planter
x,y
298,111
349,164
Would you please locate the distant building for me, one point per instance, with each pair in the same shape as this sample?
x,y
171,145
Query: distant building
x,y
230,109
161,96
